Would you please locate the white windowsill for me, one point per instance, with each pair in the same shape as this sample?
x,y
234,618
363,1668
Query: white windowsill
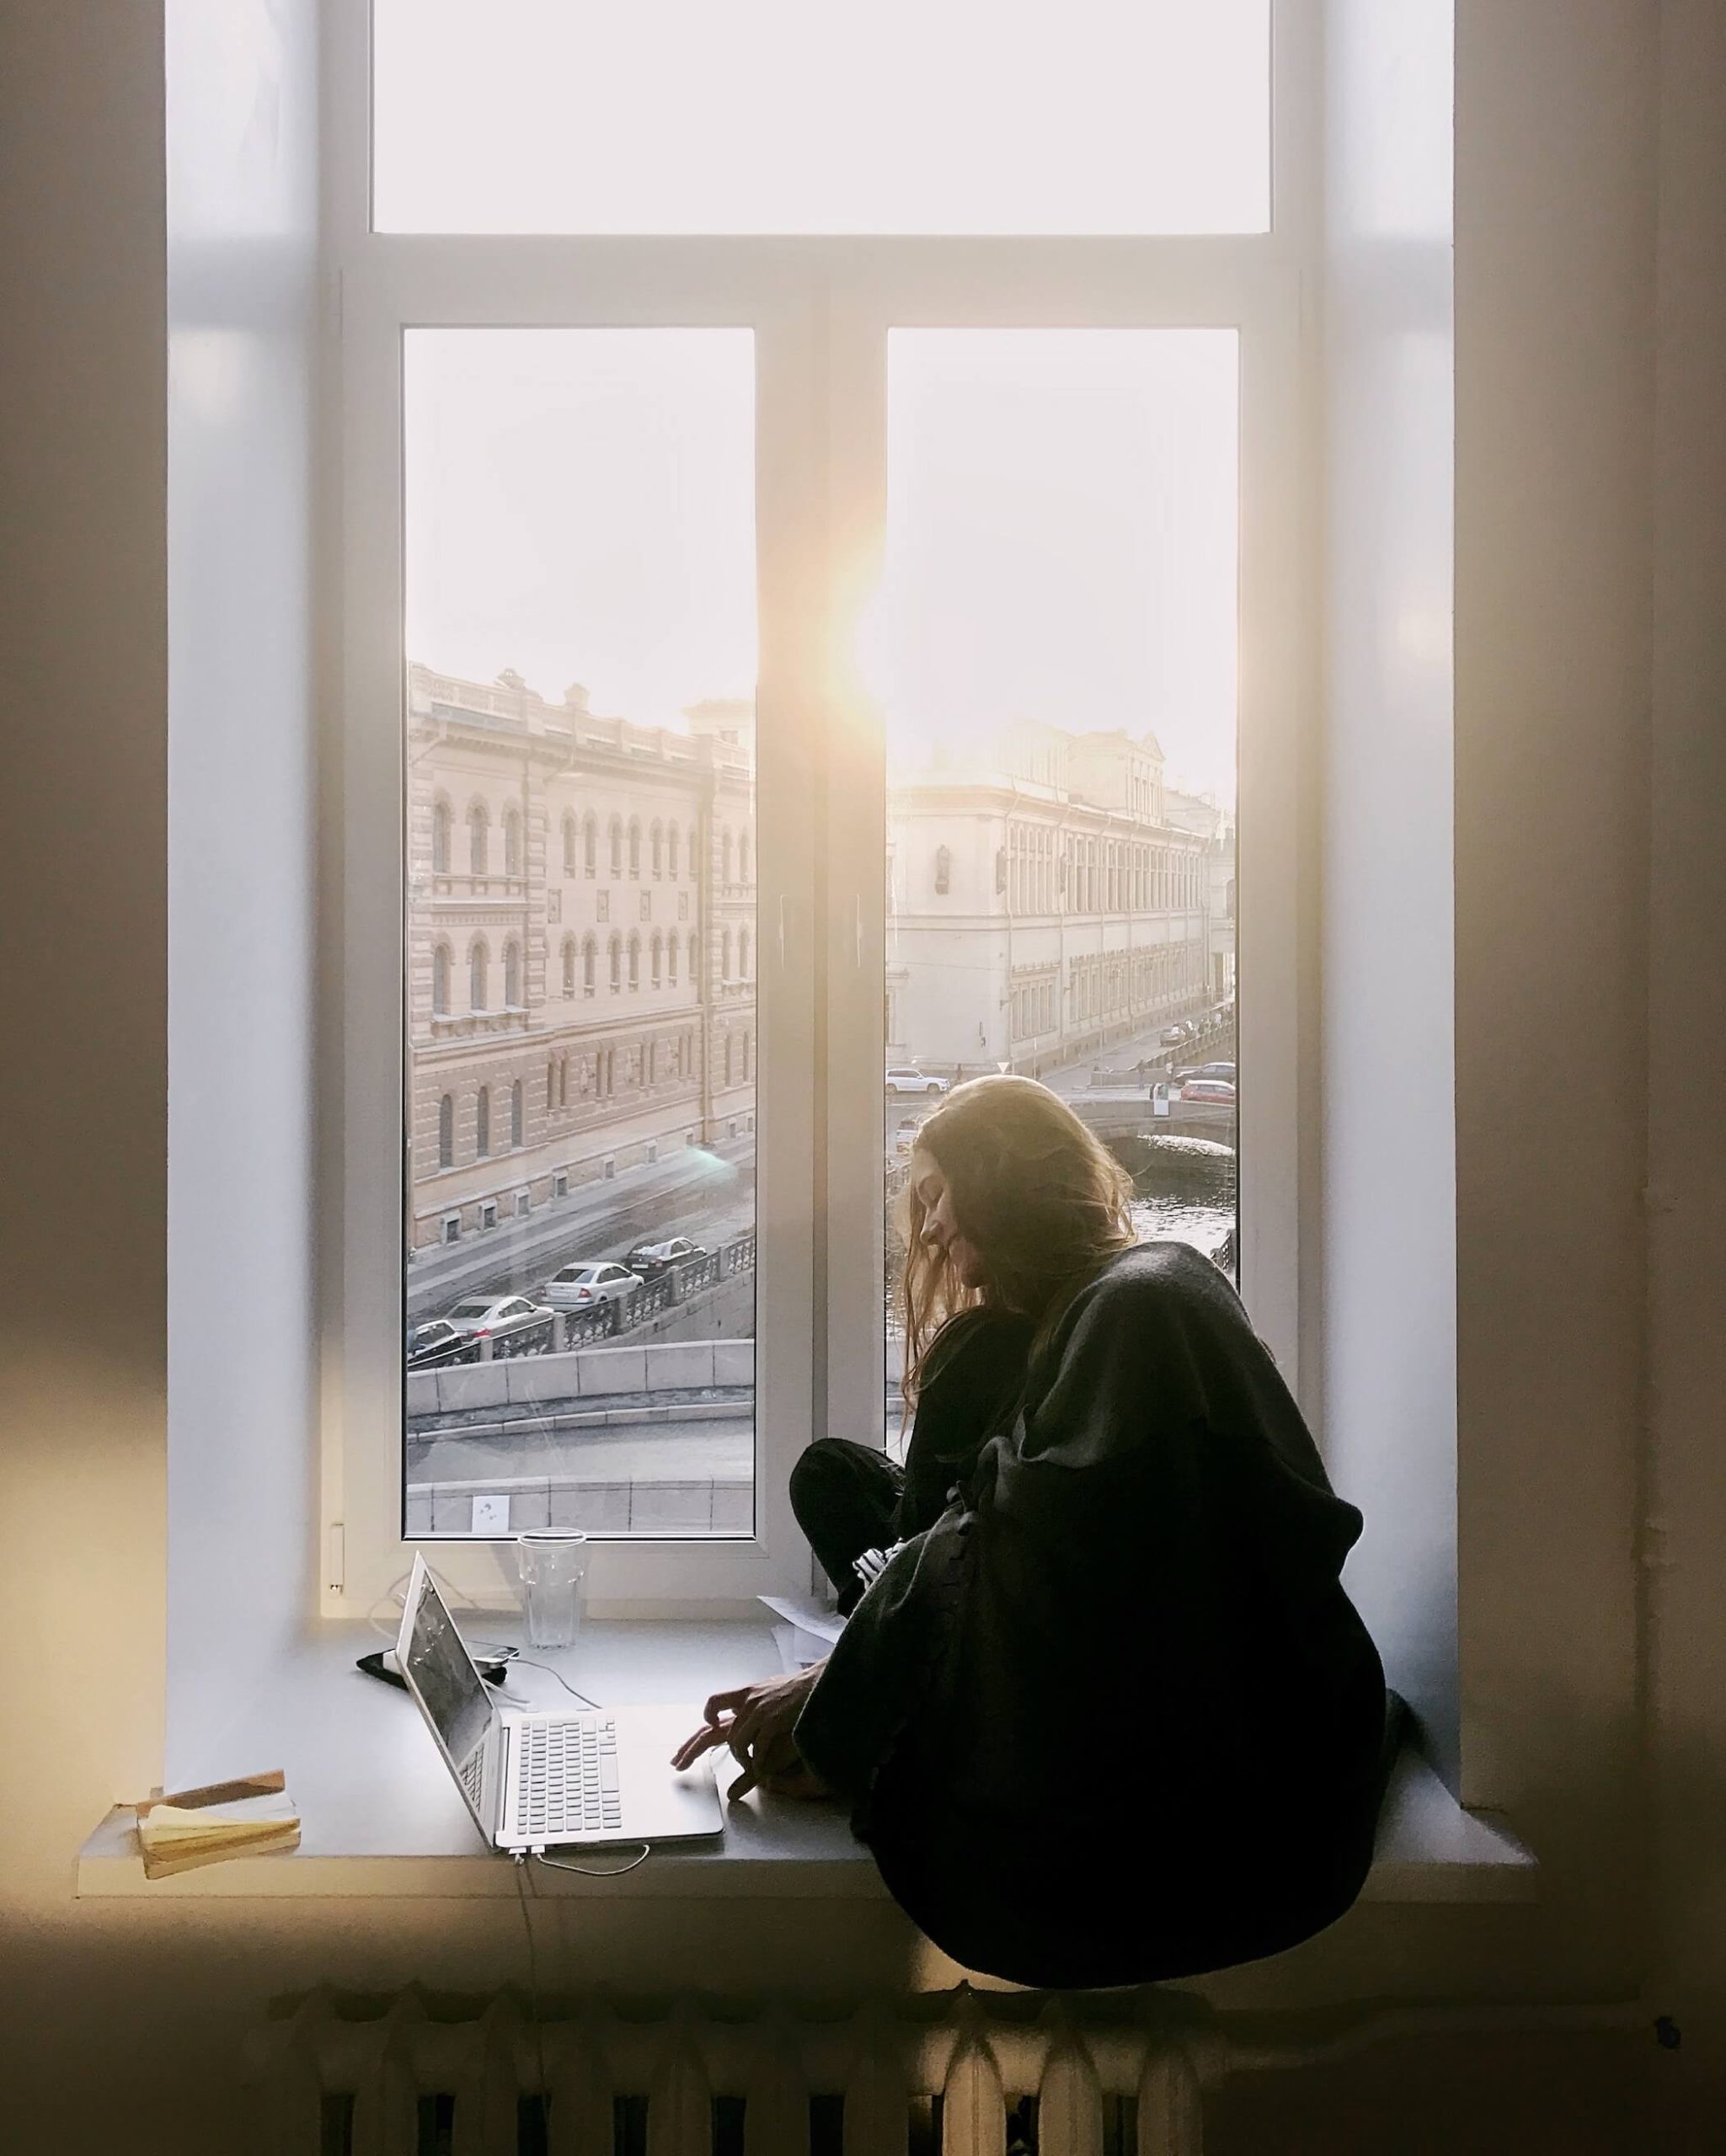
x,y
380,1816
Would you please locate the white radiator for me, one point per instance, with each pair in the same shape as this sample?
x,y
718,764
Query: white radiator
x,y
956,2074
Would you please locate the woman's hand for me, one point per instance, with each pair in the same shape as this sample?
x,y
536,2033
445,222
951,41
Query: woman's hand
x,y
756,1721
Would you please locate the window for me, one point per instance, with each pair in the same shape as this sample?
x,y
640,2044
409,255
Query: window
x,y
488,1212
440,981
550,477
451,1228
446,1133
441,838
1169,133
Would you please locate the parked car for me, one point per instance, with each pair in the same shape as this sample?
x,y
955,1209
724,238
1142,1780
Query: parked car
x,y
1220,1092
438,1342
513,1325
650,1259
1174,1036
580,1286
1211,1071
907,1078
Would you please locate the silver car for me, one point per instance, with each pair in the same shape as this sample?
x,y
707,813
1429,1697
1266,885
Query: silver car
x,y
584,1286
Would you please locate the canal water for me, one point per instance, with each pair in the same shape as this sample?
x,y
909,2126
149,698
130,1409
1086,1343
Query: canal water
x,y
1185,1189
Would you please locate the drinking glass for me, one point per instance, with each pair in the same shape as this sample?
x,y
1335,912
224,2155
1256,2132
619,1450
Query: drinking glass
x,y
553,1568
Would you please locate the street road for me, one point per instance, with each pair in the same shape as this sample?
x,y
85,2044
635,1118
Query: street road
x,y
657,1452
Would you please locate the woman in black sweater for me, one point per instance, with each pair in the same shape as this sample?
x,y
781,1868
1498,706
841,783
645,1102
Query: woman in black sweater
x,y
1109,1718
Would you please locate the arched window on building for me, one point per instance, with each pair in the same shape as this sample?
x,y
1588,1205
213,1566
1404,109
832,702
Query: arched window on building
x,y
589,844
512,976
656,849
482,1122
562,1081
652,1062
943,871
517,1117
672,850
590,953
478,960
659,958
440,981
512,842
447,1133
440,838
615,833
568,967
742,954
727,1056
745,1057
569,846
635,845
634,960
616,954
725,954
743,856
551,1085
479,838
672,961
694,962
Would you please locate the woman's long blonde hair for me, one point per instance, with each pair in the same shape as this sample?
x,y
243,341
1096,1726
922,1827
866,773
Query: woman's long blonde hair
x,y
1041,1201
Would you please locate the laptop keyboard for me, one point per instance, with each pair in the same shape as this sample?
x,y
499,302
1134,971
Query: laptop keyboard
x,y
566,1785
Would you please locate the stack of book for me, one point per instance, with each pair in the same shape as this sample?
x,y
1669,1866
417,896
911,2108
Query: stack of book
x,y
191,1827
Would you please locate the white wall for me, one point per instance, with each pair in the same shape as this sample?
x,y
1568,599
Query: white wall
x,y
1387,1237
1686,1028
243,207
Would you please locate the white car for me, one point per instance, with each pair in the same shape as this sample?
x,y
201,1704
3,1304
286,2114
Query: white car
x,y
580,1286
513,1325
907,1078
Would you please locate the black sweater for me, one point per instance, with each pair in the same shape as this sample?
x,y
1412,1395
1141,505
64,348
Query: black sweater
x,y
1112,1718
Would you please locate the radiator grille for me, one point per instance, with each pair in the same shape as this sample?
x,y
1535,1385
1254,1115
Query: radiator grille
x,y
958,2073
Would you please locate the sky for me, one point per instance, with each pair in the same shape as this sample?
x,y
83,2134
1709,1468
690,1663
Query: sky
x,y
1061,536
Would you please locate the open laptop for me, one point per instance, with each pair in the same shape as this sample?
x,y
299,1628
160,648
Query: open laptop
x,y
533,1779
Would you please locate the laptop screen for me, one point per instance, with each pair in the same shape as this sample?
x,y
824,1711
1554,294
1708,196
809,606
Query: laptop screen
x,y
442,1670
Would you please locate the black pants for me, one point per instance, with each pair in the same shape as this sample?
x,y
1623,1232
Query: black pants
x,y
846,1497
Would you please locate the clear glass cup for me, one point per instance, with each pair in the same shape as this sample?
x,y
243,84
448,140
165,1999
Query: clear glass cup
x,y
553,1569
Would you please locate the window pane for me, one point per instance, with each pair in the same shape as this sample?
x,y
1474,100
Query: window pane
x,y
580,510
1057,650
962,116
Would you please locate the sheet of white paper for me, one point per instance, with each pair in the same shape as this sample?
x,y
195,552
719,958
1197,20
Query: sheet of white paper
x,y
806,1614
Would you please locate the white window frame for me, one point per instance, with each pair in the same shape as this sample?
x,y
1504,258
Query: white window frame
x,y
819,311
